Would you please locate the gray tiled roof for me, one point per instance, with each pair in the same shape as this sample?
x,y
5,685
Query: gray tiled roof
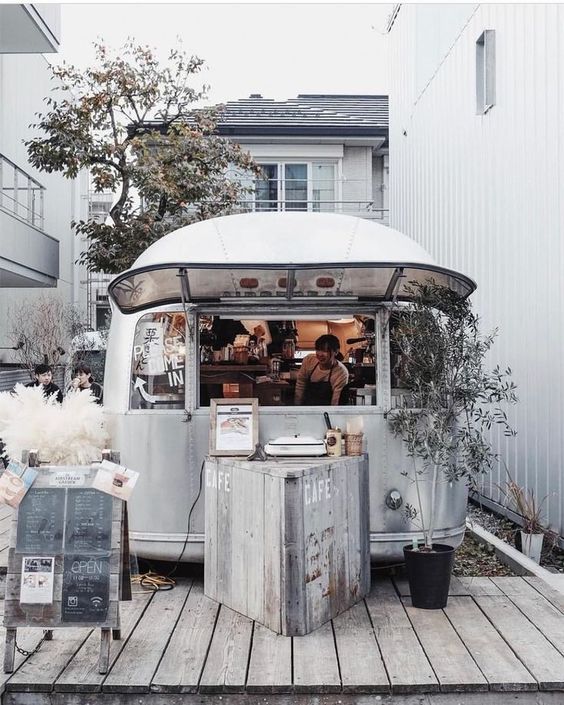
x,y
306,114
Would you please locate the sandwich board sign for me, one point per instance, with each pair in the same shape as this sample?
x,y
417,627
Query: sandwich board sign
x,y
68,560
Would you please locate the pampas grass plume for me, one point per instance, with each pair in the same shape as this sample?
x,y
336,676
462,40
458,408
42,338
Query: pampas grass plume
x,y
71,433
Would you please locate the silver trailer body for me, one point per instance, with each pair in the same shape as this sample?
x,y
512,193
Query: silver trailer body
x,y
196,271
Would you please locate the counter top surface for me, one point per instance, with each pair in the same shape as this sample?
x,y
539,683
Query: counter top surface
x,y
288,466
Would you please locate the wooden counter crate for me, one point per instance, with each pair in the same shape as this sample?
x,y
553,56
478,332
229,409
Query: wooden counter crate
x,y
287,540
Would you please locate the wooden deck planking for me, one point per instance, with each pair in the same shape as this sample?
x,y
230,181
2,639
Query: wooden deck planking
x,y
27,640
456,587
479,586
542,660
185,655
137,663
316,668
553,596
40,671
452,663
226,664
501,635
544,615
496,660
270,666
81,675
361,666
408,669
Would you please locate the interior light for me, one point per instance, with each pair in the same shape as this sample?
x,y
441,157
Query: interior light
x,y
324,282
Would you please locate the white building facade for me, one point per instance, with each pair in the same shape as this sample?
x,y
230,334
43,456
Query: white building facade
x,y
38,248
476,176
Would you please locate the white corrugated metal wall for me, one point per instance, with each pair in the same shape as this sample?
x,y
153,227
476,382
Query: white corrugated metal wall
x,y
483,193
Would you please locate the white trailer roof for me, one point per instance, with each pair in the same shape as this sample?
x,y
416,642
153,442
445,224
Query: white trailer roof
x,y
282,256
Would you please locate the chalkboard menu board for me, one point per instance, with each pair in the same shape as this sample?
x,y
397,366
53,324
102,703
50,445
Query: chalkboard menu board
x,y
41,522
78,534
86,588
88,521
72,526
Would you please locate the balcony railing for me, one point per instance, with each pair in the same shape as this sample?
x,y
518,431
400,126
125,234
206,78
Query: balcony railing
x,y
360,209
21,195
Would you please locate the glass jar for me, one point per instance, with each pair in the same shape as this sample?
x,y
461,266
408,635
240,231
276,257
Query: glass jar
x,y
289,349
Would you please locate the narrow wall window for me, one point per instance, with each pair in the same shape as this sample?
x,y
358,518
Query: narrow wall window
x,y
485,71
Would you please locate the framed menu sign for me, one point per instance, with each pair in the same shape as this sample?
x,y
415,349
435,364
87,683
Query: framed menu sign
x,y
233,426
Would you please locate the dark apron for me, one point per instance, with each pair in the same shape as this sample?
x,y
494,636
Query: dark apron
x,y
318,393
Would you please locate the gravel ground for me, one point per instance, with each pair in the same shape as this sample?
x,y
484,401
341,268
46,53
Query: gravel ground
x,y
552,557
473,559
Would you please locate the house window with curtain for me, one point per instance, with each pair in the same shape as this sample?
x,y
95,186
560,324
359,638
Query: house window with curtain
x,y
296,186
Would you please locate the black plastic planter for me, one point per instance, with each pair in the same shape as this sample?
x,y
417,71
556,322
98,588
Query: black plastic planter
x,y
428,573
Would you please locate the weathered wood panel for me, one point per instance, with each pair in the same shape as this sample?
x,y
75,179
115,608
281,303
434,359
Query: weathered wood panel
x,y
270,667
407,666
226,664
317,534
82,675
544,615
456,587
552,595
542,660
39,673
362,670
316,668
185,655
273,555
479,586
496,660
137,663
454,667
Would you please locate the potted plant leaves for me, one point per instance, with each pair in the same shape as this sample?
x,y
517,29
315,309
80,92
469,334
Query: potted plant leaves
x,y
454,399
530,539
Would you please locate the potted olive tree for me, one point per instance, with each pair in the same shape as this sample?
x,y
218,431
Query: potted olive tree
x,y
454,400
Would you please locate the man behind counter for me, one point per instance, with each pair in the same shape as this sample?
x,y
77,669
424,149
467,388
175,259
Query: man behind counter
x,y
322,377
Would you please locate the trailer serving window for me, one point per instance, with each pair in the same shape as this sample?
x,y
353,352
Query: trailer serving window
x,y
262,358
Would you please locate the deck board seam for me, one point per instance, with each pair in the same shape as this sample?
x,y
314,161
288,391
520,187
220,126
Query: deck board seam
x,y
528,578
125,642
560,650
337,655
419,640
251,642
205,659
163,652
508,644
466,647
3,686
379,649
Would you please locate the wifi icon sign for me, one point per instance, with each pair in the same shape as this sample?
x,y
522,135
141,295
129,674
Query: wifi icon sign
x,y
96,601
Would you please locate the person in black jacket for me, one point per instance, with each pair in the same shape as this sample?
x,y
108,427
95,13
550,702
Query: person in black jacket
x,y
44,378
82,380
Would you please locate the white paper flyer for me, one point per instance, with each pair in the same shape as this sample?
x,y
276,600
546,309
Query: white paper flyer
x,y
115,479
37,580
15,481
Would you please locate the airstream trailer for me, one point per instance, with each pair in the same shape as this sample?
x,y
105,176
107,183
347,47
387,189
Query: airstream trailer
x,y
278,280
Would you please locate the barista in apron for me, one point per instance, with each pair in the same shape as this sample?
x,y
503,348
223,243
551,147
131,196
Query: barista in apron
x,y
322,377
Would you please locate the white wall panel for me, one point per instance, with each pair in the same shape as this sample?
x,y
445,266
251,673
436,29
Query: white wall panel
x,y
484,194
24,83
